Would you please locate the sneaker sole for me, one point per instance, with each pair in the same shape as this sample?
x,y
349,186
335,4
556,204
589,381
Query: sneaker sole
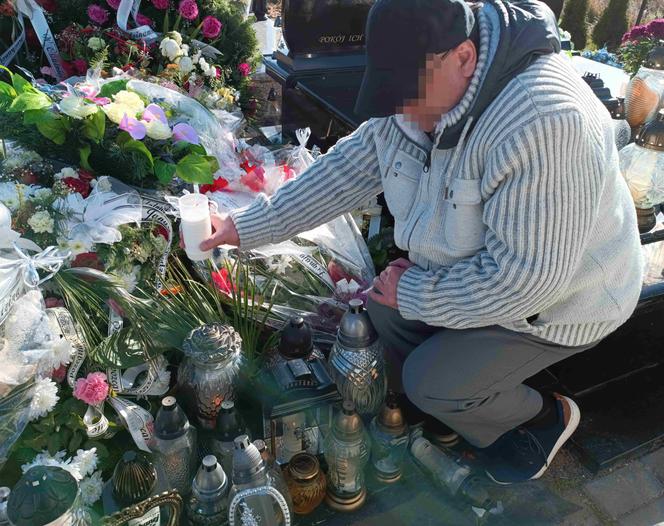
x,y
574,419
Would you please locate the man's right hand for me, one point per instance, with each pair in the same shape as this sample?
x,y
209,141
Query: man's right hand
x,y
224,232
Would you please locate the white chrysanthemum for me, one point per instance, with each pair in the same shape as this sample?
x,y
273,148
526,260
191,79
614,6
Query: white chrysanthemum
x,y
185,64
9,196
170,48
157,130
45,459
91,488
129,281
86,460
66,172
61,351
41,222
41,194
44,398
77,107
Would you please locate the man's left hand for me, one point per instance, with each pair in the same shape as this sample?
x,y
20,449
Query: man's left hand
x,y
384,290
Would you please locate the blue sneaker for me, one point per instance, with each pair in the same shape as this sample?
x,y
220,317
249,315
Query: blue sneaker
x,y
525,453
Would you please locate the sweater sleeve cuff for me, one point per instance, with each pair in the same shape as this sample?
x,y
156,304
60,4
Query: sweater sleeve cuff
x,y
254,223
409,293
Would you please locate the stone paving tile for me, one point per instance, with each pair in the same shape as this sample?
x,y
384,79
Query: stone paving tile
x,y
624,490
655,461
580,518
649,515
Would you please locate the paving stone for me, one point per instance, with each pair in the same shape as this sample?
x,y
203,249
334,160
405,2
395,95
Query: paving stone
x,y
650,515
580,518
655,461
625,490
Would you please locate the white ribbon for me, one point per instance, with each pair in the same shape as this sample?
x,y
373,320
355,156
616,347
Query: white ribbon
x,y
144,33
8,56
156,210
35,13
20,273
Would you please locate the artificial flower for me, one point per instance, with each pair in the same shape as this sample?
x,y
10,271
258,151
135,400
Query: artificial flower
x,y
97,14
160,4
41,222
186,65
154,112
188,9
133,126
169,48
86,460
157,130
91,488
211,27
184,132
96,43
93,389
66,172
44,398
77,107
244,69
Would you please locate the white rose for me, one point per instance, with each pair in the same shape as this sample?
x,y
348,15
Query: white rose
x,y
156,129
169,48
196,56
66,172
96,43
174,35
212,72
77,107
186,65
185,49
41,222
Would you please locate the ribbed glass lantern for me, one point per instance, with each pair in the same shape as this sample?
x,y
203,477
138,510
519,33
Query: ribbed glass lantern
x,y
645,91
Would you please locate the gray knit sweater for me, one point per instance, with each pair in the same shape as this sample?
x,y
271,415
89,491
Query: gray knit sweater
x,y
527,216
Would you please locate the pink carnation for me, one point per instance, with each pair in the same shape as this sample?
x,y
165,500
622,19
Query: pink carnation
x,y
93,389
244,69
188,9
97,14
144,20
160,4
211,27
114,4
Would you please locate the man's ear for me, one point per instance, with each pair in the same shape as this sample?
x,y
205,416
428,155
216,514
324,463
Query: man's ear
x,y
467,56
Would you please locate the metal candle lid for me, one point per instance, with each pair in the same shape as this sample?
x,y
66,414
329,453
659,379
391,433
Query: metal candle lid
x,y
211,479
134,478
247,461
42,495
213,343
390,418
171,422
296,339
229,424
356,330
347,423
304,466
651,135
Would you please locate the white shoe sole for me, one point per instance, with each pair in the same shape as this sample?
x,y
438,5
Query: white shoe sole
x,y
574,419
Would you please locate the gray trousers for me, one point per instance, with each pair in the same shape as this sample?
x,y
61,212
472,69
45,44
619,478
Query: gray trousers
x,y
472,379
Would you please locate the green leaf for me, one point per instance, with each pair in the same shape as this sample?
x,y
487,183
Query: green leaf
x,y
121,349
22,85
75,442
84,156
111,88
197,169
138,147
54,443
164,171
94,126
34,116
7,93
30,101
53,127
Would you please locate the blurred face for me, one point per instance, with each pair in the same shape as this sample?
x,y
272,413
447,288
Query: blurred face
x,y
442,84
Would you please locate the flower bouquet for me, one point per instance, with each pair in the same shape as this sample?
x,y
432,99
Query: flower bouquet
x,y
111,128
638,42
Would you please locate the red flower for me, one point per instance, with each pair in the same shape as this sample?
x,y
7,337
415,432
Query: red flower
x,y
217,186
211,27
85,175
58,375
254,179
244,69
222,281
81,66
188,9
289,173
87,260
159,230
78,185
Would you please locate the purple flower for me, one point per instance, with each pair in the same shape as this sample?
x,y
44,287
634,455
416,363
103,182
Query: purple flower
x,y
113,4
154,112
211,27
656,28
244,69
188,9
133,126
184,132
97,14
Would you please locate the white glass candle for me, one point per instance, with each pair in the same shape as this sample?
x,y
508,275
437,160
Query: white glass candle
x,y
196,226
